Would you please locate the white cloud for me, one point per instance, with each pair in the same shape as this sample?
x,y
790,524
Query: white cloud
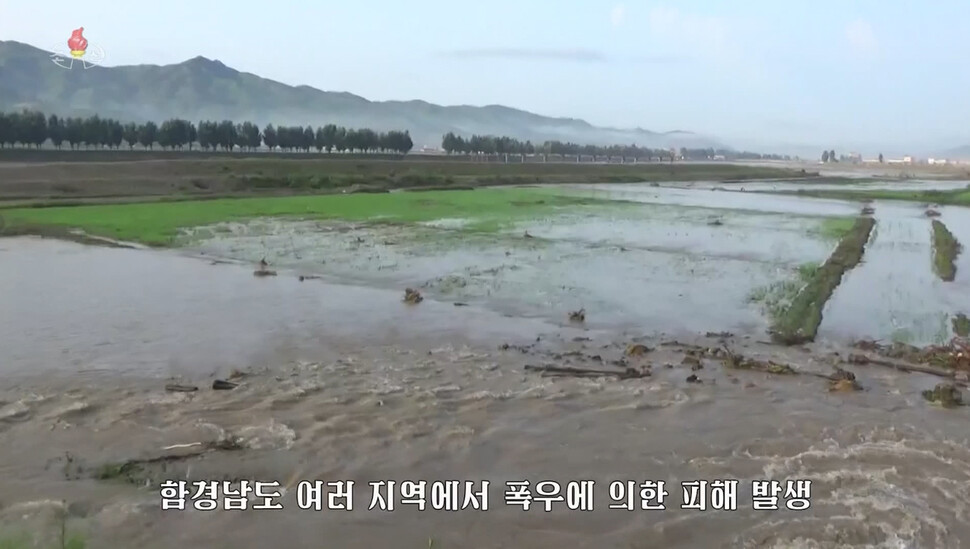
x,y
862,39
618,14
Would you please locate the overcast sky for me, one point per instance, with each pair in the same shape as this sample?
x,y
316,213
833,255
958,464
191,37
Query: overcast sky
x,y
847,73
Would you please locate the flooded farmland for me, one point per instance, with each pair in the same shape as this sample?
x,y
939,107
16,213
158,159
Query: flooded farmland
x,y
664,260
339,379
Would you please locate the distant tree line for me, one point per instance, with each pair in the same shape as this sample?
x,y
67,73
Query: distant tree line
x,y
489,144
32,129
728,154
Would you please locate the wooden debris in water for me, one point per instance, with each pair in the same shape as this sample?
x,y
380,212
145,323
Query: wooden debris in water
x,y
843,381
868,210
844,386
737,361
693,379
563,371
932,213
954,355
637,349
264,272
578,316
866,345
412,296
176,388
223,385
692,361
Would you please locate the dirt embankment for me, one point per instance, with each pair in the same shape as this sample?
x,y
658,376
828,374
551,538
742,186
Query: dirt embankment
x,y
193,176
799,324
945,251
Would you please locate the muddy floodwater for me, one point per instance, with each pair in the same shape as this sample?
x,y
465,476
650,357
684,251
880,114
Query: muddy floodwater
x,y
338,379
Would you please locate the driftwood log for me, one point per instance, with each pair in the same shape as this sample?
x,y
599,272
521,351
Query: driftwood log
x,y
864,360
564,371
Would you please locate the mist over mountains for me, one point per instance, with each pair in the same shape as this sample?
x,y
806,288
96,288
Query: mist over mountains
x,y
205,89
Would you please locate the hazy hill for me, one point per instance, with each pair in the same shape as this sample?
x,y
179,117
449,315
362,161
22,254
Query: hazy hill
x,y
959,153
201,88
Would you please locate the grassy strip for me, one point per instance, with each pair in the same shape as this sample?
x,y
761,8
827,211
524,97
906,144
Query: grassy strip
x,y
956,197
57,539
834,228
23,542
961,325
800,322
159,223
945,251
777,297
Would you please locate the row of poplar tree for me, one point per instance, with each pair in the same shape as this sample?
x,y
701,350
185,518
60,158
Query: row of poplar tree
x,y
33,129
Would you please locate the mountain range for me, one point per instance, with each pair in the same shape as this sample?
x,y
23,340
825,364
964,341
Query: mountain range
x,y
206,89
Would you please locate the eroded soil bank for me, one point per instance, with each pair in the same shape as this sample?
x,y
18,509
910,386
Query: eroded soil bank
x,y
346,383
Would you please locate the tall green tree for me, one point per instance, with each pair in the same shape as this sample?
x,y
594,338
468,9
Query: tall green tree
x,y
116,133
74,132
33,127
269,137
308,137
329,136
249,137
340,139
192,134
129,133
226,136
147,134
207,134
6,130
55,131
319,140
